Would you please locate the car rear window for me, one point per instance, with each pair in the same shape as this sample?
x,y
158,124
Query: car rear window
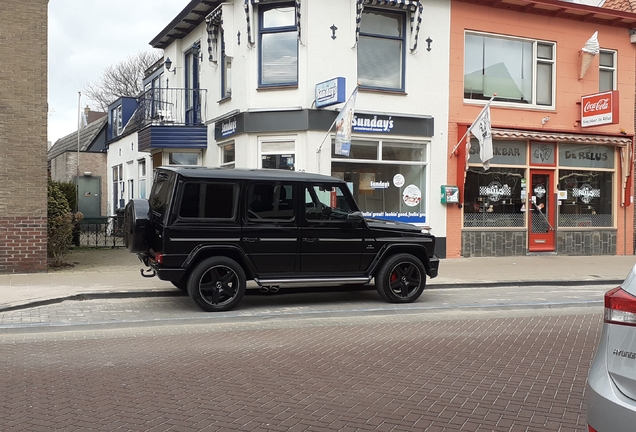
x,y
208,200
160,193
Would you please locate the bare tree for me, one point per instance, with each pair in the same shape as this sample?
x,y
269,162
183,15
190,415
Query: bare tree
x,y
123,79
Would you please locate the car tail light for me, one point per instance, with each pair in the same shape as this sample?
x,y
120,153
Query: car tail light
x,y
620,307
159,258
590,429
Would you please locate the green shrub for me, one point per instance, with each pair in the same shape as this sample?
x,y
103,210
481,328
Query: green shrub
x,y
69,189
60,224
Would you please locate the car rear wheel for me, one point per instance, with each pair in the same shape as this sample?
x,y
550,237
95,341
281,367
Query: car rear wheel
x,y
401,279
217,284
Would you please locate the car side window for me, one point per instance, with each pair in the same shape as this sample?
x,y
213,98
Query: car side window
x,y
326,202
208,200
270,200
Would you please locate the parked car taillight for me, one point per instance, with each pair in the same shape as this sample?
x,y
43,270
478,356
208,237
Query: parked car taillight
x,y
620,307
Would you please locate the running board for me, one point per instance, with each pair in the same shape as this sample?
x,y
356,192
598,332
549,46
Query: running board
x,y
312,281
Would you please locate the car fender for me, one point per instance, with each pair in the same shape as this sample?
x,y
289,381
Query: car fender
x,y
416,250
232,251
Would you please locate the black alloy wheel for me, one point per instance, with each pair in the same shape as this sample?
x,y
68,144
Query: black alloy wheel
x,y
401,279
217,284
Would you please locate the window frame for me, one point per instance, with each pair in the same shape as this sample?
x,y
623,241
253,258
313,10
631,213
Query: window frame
x,y
613,69
275,30
223,152
536,61
403,39
226,70
118,185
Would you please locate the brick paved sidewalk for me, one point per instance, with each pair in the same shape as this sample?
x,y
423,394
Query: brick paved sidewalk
x,y
115,272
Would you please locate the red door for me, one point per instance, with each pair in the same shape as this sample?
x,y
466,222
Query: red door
x,y
541,211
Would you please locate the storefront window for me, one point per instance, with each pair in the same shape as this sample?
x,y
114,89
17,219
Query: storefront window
x,y
392,190
588,201
494,198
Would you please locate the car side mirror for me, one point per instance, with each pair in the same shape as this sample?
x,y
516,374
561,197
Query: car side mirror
x,y
355,217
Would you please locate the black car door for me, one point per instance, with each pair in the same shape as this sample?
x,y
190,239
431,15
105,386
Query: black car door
x,y
270,234
330,243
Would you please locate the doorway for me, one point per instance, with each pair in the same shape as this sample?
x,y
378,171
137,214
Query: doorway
x,y
541,212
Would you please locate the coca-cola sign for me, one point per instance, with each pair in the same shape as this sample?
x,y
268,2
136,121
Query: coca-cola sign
x,y
599,109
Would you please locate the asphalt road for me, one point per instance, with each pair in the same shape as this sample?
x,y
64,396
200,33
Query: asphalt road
x,y
456,360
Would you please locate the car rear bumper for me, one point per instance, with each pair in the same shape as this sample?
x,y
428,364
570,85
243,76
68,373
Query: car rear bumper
x,y
163,273
433,270
607,408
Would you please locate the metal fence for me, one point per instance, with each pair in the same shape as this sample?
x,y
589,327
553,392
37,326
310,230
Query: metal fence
x,y
100,232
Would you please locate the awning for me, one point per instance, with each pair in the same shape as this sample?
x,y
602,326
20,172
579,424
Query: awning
x,y
561,137
413,6
214,25
248,5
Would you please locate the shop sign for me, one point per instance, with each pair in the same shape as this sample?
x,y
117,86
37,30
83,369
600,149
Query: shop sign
x,y
495,191
372,123
229,126
586,156
406,217
505,152
586,193
330,92
599,109
542,153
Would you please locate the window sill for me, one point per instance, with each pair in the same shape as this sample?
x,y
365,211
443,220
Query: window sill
x,y
225,99
278,87
509,105
376,90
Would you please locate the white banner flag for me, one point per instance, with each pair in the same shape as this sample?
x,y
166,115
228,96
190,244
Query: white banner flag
x,y
481,130
343,126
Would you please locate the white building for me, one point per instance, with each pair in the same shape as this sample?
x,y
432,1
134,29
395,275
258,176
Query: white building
x,y
239,89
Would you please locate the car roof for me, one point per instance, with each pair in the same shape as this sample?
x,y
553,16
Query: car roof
x,y
247,174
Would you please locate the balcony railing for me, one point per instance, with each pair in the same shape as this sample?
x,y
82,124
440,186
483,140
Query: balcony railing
x,y
170,106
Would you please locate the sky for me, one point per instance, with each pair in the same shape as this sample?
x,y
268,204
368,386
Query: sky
x,y
85,37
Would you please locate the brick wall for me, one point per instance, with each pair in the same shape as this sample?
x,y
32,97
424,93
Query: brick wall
x,y
64,167
23,135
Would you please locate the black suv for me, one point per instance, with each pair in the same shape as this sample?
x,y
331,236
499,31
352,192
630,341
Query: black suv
x,y
209,230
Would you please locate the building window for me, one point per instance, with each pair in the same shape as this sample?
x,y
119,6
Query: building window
x,y
278,45
130,180
493,198
388,178
278,155
506,66
116,121
228,156
226,71
381,49
586,174
141,169
607,71
118,187
175,158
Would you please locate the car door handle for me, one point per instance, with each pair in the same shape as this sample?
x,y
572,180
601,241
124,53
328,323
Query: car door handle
x,y
309,239
250,239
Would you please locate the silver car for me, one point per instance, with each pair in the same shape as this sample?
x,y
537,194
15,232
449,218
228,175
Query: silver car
x,y
611,383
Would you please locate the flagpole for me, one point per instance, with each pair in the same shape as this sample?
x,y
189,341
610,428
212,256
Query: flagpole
x,y
454,152
331,127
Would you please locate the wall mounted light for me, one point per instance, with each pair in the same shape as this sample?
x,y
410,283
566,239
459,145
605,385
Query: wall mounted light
x,y
545,119
168,64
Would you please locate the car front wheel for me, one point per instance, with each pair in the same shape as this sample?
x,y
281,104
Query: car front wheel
x,y
217,284
401,279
